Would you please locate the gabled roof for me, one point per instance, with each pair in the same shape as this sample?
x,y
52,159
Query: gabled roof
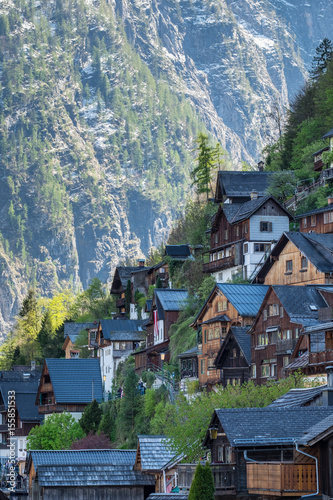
x,y
317,248
328,134
246,299
321,210
318,431
241,184
73,329
268,426
297,397
81,457
300,362
301,303
75,380
224,318
243,340
25,396
236,213
189,354
168,299
111,326
86,476
121,276
155,452
178,252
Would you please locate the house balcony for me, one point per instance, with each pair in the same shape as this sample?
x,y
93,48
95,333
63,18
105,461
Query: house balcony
x,y
321,358
284,346
120,303
50,408
281,479
224,477
218,265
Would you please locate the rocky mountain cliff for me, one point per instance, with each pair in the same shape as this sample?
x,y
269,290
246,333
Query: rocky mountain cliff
x,y
100,105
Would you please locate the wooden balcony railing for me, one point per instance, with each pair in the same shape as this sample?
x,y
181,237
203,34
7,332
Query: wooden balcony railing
x,y
216,265
48,408
224,478
281,479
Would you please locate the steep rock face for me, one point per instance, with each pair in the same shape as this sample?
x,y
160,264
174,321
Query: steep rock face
x,y
100,105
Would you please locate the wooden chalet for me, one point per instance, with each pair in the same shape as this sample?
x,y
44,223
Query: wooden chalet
x,y
72,331
255,451
122,276
299,259
78,474
284,315
234,357
154,457
227,306
69,385
20,388
242,234
165,308
319,220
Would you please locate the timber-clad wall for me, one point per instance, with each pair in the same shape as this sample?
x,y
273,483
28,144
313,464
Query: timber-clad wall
x,y
318,226
91,493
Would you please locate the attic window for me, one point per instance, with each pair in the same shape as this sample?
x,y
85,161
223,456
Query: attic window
x,y
313,307
304,262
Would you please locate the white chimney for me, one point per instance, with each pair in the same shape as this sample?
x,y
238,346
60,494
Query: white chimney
x,y
254,195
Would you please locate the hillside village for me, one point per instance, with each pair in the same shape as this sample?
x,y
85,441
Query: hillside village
x,y
268,316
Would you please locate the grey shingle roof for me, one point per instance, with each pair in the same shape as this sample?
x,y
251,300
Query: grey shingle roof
x,y
75,380
168,299
241,184
297,397
224,318
92,475
189,354
244,341
181,252
315,211
314,432
299,362
128,336
246,299
82,457
124,273
265,426
155,452
25,397
236,213
119,325
318,248
296,301
73,329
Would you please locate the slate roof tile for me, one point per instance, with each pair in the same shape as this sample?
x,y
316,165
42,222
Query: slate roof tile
x,y
297,300
155,452
119,325
82,457
75,380
189,354
316,430
297,397
241,184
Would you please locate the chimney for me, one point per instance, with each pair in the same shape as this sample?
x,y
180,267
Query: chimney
x,y
254,195
141,262
328,392
330,200
261,166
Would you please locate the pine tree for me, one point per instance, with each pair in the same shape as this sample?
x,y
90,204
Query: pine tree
x,y
202,487
324,54
201,174
91,417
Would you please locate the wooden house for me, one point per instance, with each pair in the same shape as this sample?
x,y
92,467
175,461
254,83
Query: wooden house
x,y
242,234
234,357
116,340
121,277
236,186
165,308
154,457
71,332
285,313
299,259
188,367
228,305
255,451
77,474
69,385
319,220
320,164
18,391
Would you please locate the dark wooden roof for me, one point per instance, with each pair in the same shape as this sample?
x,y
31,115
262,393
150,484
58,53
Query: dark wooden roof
x,y
242,338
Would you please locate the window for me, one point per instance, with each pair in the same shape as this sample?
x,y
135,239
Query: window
x,y
216,237
223,331
253,371
237,230
328,217
285,361
246,248
262,339
304,220
116,346
289,266
211,365
203,366
265,370
281,312
222,305
273,370
265,227
287,334
246,227
224,454
216,332
234,353
304,262
262,247
296,333
273,310
205,336
265,314
220,276
313,220
210,334
226,234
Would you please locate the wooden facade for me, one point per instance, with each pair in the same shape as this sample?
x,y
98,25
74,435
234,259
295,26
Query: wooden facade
x,y
235,368
318,222
291,267
273,339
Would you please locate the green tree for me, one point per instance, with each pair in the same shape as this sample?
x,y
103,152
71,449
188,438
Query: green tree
x,y
57,432
282,185
91,417
324,54
130,406
201,174
202,487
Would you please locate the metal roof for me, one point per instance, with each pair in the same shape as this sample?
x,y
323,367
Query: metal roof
x,y
25,397
321,210
82,457
91,475
75,380
170,299
246,299
128,336
269,425
119,325
155,452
